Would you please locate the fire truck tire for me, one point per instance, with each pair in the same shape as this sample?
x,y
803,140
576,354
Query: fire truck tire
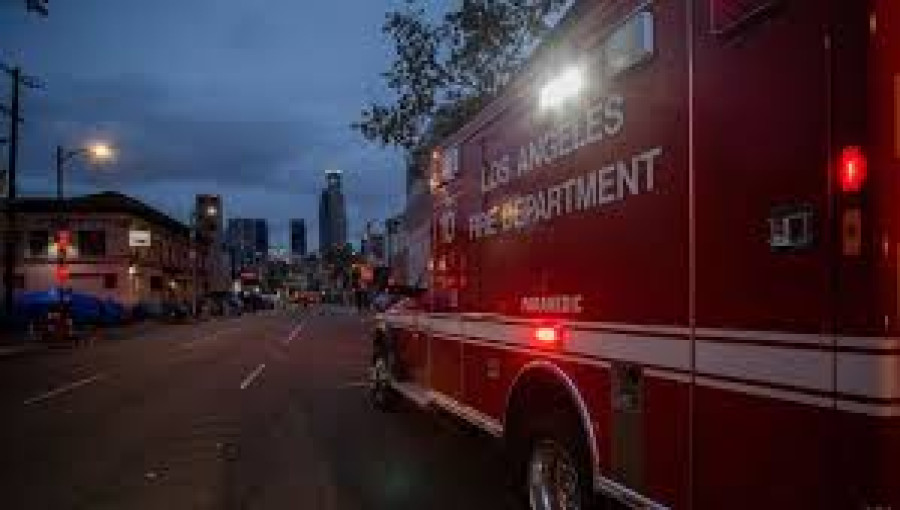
x,y
381,374
554,467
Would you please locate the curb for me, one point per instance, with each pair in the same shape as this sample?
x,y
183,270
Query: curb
x,y
12,350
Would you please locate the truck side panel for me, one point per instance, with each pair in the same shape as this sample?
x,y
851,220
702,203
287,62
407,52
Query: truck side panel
x,y
761,123
884,109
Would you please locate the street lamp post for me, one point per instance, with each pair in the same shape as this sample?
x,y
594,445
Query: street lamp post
x,y
96,151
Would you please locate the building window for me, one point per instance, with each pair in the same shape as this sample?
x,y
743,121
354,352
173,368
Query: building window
x,y
631,44
38,243
91,243
109,281
156,283
450,164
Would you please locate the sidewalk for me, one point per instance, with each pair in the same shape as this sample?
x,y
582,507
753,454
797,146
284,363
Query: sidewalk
x,y
11,337
12,350
20,342
16,341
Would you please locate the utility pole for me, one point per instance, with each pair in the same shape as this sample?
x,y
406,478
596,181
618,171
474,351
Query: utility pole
x,y
195,255
10,237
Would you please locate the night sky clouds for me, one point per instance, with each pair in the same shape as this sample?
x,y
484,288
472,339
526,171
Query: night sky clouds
x,y
250,99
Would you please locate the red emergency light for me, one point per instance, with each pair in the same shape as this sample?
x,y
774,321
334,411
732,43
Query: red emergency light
x,y
852,169
546,335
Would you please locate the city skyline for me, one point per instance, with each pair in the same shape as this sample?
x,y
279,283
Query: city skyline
x,y
186,122
247,241
332,212
298,242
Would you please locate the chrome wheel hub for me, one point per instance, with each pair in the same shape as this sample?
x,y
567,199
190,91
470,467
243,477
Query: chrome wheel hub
x,y
553,482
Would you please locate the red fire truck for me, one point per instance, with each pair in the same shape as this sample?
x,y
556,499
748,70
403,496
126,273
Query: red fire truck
x,y
666,261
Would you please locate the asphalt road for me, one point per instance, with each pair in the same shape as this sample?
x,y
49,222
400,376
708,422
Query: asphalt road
x,y
257,412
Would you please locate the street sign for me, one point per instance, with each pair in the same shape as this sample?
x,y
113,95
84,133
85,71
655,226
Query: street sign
x,y
138,238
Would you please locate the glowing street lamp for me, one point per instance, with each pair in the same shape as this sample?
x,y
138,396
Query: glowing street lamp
x,y
563,87
97,152
100,152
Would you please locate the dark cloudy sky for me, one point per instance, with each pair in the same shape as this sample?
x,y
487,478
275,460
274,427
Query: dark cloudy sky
x,y
251,99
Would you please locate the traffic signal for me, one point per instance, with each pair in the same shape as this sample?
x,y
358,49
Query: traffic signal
x,y
63,241
61,274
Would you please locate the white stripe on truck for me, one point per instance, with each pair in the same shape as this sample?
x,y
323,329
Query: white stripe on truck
x,y
805,363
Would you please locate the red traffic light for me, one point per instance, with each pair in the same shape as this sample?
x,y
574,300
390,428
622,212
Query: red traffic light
x,y
61,274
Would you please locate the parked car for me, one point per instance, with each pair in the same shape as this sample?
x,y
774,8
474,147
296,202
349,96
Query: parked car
x,y
253,302
217,303
147,310
112,313
269,301
233,306
175,313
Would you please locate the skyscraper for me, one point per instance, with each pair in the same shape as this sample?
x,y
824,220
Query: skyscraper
x,y
298,238
332,214
210,226
248,240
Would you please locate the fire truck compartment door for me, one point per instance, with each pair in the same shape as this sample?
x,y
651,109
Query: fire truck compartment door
x,y
627,427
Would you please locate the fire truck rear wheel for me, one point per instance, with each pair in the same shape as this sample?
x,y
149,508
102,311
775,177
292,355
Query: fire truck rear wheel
x,y
556,467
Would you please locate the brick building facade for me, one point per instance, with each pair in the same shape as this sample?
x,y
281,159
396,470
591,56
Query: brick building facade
x,y
108,254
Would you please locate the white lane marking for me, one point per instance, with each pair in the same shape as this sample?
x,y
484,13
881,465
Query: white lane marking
x,y
294,333
253,375
203,340
63,389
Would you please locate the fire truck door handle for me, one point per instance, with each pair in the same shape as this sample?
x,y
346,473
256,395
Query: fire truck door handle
x,y
791,227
